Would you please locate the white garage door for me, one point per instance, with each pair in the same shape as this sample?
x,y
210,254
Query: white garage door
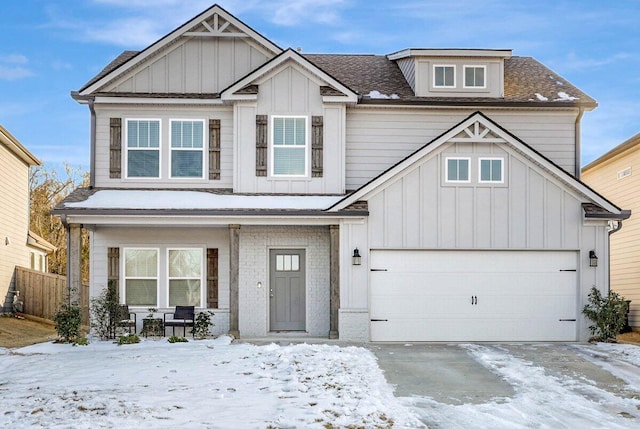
x,y
473,295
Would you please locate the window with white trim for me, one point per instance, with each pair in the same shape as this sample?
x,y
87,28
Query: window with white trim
x,y
289,146
491,170
141,276
185,277
457,170
187,148
444,76
143,148
474,76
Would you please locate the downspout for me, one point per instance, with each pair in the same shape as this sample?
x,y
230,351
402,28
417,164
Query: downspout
x,y
617,228
578,139
92,152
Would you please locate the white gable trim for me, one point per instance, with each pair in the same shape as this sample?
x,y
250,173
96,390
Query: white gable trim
x,y
472,128
266,70
177,33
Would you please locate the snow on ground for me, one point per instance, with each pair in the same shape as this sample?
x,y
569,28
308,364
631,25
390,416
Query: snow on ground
x,y
216,384
542,400
210,383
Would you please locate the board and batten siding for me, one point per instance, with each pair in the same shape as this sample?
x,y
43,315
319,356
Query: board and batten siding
x,y
378,138
625,244
14,219
202,65
529,211
289,92
165,114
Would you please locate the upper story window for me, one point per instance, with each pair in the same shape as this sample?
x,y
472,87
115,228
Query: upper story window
x,y
444,76
289,146
491,170
474,76
141,276
187,148
457,170
143,148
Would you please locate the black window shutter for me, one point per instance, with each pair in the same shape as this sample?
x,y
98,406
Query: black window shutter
x,y
214,149
115,148
261,145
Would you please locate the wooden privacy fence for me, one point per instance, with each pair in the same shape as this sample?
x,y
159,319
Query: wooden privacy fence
x,y
44,293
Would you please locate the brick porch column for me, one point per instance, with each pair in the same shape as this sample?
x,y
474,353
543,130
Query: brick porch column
x,y
334,280
234,285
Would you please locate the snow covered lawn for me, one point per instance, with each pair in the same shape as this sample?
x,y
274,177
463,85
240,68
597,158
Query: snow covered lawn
x,y
216,384
210,383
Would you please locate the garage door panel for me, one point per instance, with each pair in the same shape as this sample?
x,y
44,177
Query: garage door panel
x,y
432,296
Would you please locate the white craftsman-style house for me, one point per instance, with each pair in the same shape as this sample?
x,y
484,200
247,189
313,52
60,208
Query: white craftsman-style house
x,y
424,195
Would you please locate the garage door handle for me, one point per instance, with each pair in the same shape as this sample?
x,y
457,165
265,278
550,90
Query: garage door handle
x,y
474,300
566,320
379,320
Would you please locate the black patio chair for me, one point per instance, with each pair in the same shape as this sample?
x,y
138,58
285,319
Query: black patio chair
x,y
126,319
184,316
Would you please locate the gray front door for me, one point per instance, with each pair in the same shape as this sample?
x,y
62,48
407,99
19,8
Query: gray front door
x,y
287,290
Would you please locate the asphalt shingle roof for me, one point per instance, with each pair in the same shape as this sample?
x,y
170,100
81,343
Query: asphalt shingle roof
x,y
526,81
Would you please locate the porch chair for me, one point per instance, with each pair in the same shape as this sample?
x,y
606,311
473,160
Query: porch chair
x,y
183,316
125,319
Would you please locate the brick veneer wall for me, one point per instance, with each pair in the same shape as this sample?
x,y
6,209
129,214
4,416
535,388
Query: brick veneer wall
x,y
255,243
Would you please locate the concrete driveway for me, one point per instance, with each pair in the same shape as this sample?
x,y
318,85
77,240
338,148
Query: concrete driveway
x,y
516,385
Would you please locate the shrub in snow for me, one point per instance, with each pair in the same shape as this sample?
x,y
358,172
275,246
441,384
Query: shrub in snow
x,y
608,314
68,320
128,339
202,324
105,311
175,339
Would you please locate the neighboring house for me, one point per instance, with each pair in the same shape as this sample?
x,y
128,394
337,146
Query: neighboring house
x,y
18,245
616,174
426,195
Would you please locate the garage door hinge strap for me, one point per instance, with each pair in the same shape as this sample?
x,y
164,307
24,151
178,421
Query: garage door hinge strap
x,y
569,270
379,269
566,320
379,320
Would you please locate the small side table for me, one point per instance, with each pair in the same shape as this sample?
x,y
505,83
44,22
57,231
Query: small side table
x,y
152,326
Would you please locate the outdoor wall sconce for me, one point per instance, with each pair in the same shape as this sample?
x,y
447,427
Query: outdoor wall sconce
x,y
356,260
259,285
593,259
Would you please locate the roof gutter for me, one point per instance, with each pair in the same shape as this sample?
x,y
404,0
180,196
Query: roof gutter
x,y
578,139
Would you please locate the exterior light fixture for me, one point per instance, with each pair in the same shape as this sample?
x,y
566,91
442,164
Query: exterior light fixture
x,y
357,260
593,259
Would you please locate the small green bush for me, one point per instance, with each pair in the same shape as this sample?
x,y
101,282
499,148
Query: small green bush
x,y
68,320
608,314
81,341
129,339
105,310
175,339
202,324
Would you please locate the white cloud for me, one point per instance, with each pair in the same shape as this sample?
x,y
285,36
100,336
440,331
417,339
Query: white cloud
x,y
573,62
14,72
61,65
14,59
128,32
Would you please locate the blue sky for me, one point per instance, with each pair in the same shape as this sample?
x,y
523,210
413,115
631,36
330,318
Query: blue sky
x,y
51,47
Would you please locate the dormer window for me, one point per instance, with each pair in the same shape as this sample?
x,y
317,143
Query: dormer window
x,y
474,76
444,76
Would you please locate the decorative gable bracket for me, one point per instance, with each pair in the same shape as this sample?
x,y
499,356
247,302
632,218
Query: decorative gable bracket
x,y
216,30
